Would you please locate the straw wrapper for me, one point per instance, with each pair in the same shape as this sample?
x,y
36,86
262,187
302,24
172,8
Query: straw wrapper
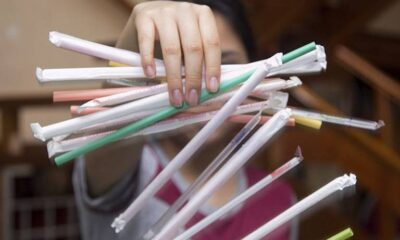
x,y
337,184
262,136
234,203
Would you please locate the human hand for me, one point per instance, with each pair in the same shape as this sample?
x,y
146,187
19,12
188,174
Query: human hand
x,y
184,30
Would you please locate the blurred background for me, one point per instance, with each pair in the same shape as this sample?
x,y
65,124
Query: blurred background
x,y
362,39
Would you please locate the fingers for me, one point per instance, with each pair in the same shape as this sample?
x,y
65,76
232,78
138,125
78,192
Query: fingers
x,y
171,49
193,52
211,45
183,29
146,36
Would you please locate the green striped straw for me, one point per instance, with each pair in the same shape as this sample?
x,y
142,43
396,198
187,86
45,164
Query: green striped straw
x,y
298,52
167,112
343,235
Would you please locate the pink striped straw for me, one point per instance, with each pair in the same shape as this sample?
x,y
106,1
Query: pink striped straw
x,y
84,95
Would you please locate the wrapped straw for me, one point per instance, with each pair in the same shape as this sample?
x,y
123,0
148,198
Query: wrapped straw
x,y
242,197
262,136
335,185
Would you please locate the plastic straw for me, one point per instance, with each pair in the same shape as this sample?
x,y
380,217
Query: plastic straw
x,y
279,99
298,52
262,136
346,121
92,74
316,55
306,69
202,135
261,91
98,50
89,94
200,180
116,54
190,148
337,184
131,82
343,235
119,55
145,122
115,73
75,124
234,203
76,111
129,58
56,146
244,118
72,125
125,96
59,146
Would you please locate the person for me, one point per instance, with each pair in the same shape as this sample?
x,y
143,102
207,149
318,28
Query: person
x,y
199,35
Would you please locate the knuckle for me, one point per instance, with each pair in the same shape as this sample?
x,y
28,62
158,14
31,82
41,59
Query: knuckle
x,y
213,69
167,11
185,5
194,48
137,9
144,37
193,76
140,8
213,43
205,9
172,50
193,81
174,81
142,14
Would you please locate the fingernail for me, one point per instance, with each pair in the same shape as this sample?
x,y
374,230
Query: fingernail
x,y
177,98
213,83
193,97
150,72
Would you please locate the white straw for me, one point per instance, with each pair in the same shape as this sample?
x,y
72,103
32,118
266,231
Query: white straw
x,y
277,99
195,143
75,124
309,68
125,96
110,73
133,59
58,146
98,50
97,73
200,180
242,197
119,55
345,121
111,53
72,125
335,185
267,86
265,133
